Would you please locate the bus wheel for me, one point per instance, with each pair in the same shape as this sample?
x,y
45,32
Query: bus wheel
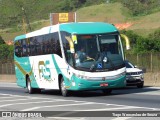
x,y
64,91
107,91
29,87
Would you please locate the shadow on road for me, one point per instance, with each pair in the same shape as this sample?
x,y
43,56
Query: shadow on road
x,y
122,91
5,88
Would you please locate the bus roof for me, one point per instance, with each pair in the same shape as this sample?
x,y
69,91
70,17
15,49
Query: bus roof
x,y
88,28
73,28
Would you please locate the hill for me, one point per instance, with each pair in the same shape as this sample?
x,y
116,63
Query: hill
x,y
112,12
117,14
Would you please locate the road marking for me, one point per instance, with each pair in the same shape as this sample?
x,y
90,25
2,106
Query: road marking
x,y
121,118
34,108
13,100
121,106
30,98
4,94
31,103
35,99
106,109
12,85
24,99
67,118
152,88
149,93
9,97
24,103
13,95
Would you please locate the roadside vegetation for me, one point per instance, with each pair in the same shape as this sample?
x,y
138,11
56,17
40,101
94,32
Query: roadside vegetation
x,y
6,51
144,15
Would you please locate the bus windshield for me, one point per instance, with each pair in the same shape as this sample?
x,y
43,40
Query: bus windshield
x,y
100,52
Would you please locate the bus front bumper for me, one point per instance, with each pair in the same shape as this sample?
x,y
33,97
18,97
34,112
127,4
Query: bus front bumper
x,y
82,84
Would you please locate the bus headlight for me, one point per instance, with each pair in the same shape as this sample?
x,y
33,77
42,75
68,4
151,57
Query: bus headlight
x,y
81,76
100,78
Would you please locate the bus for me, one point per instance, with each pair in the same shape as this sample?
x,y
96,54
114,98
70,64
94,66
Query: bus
x,y
46,58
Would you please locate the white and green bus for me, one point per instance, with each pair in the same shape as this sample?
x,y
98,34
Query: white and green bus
x,y
46,58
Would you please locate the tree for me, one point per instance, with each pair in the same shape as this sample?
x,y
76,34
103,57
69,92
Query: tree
x,y
1,41
134,6
132,38
149,44
155,35
4,52
141,7
155,38
11,52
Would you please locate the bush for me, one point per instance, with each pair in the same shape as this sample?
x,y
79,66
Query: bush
x,y
141,44
141,7
6,52
1,40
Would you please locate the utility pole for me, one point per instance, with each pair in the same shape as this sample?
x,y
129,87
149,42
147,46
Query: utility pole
x,y
27,20
20,5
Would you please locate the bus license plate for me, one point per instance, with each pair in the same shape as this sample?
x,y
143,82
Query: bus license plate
x,y
104,84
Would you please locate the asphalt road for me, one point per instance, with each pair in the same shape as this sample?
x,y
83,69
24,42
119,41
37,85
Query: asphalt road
x,y
130,99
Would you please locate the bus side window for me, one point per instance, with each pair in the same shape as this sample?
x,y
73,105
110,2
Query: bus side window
x,y
43,47
18,48
55,44
66,47
24,48
27,46
32,47
48,45
52,45
58,48
39,45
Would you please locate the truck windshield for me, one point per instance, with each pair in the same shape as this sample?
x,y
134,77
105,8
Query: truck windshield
x,y
100,52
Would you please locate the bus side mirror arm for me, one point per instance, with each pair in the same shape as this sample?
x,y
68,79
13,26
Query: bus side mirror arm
x,y
70,44
127,41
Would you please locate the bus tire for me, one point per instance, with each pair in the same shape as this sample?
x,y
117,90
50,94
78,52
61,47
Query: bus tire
x,y
107,91
63,89
30,90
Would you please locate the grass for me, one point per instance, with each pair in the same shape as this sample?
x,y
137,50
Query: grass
x,y
103,12
146,24
10,34
116,13
111,13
